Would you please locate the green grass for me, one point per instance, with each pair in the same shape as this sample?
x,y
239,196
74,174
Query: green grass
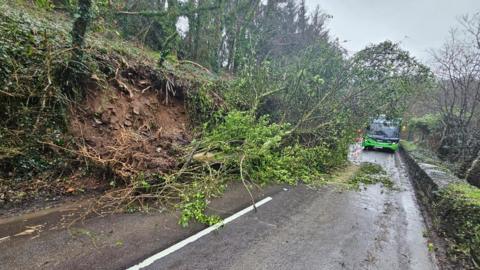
x,y
466,192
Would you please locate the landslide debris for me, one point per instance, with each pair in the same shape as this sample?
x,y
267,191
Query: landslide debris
x,y
134,124
370,174
132,120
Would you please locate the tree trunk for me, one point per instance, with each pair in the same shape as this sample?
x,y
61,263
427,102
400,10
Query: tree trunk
x,y
198,29
76,72
473,174
80,28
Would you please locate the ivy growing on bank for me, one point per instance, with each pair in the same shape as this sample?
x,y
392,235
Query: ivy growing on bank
x,y
458,211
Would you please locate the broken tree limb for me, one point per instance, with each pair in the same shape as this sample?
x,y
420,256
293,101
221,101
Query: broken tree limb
x,y
245,184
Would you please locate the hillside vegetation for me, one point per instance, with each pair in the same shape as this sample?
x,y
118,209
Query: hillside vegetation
x,y
154,116
446,118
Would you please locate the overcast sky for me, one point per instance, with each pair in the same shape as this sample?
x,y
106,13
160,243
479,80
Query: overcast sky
x,y
418,24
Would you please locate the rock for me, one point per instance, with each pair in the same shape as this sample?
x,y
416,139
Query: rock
x,y
127,123
114,119
136,110
105,117
94,77
97,121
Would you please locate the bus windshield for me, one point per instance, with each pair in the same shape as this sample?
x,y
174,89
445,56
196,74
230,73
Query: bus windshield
x,y
381,128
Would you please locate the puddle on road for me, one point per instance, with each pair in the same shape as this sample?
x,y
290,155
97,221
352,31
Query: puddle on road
x,y
32,224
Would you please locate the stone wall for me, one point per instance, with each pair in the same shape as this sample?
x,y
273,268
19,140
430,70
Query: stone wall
x,y
427,179
452,207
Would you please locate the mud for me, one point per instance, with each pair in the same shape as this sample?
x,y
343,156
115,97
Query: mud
x,y
133,122
132,125
35,223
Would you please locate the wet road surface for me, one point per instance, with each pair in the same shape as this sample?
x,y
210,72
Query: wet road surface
x,y
302,228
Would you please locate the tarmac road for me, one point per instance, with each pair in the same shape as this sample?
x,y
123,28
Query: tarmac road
x,y
302,228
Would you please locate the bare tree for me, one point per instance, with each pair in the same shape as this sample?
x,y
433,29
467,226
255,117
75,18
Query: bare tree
x,y
458,72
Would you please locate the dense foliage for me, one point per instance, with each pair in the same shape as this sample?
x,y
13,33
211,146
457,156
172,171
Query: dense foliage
x,y
32,104
389,75
217,34
303,110
254,151
458,208
285,110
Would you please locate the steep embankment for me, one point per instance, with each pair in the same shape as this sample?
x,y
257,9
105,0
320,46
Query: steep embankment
x,y
132,125
131,118
117,120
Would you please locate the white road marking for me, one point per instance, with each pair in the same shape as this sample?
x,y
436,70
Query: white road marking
x,y
197,236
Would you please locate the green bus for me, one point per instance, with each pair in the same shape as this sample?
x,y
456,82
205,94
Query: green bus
x,y
382,133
